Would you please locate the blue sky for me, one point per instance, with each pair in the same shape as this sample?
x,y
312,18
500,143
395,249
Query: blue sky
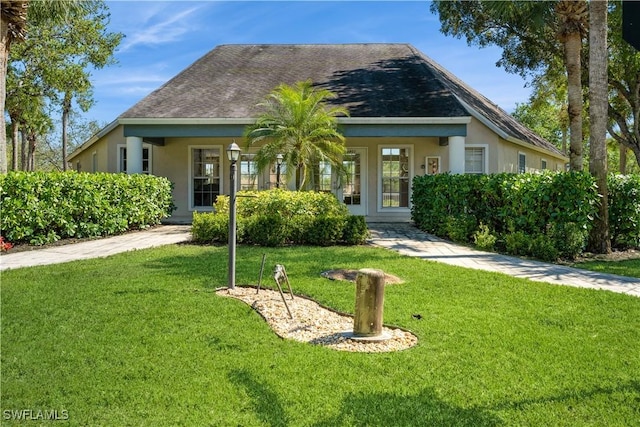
x,y
164,37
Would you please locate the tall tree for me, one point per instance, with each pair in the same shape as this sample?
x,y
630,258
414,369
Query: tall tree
x,y
81,44
14,15
624,86
528,32
599,241
298,123
55,61
571,24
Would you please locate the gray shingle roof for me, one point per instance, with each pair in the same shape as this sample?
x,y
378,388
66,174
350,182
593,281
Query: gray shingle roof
x,y
371,80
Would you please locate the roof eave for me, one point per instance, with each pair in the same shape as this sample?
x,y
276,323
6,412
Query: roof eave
x,y
507,137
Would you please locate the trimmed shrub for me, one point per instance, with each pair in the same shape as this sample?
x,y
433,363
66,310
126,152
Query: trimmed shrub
x,y
42,207
624,211
279,217
518,208
355,231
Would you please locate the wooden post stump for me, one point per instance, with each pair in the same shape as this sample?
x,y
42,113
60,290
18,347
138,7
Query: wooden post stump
x,y
367,321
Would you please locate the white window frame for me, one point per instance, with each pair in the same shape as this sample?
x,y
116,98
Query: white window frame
x,y
223,156
147,146
410,173
544,165
485,160
259,179
522,156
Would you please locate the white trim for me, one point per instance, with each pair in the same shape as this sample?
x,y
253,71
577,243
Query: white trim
x,y
404,120
485,168
191,207
186,121
251,120
410,174
502,134
364,183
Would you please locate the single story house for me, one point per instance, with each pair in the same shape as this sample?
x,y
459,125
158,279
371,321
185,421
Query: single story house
x,y
408,116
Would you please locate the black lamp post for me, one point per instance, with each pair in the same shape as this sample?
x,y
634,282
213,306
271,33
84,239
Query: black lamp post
x,y
233,153
279,158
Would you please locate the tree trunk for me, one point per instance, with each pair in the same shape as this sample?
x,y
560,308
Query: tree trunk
x,y
24,148
572,48
599,240
623,159
15,133
4,57
66,108
32,140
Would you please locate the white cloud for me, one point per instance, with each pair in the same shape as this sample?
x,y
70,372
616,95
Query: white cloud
x,y
160,26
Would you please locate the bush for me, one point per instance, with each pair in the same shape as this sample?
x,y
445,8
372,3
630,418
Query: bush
x,y
208,228
484,239
39,207
624,211
355,230
279,217
521,210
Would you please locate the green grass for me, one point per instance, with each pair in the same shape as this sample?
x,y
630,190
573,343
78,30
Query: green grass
x,y
142,339
629,267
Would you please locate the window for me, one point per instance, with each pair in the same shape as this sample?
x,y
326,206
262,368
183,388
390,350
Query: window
x,y
324,176
543,164
205,170
351,191
248,172
395,177
522,163
146,159
94,162
474,160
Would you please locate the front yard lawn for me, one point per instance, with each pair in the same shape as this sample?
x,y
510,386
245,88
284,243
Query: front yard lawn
x,y
627,267
141,339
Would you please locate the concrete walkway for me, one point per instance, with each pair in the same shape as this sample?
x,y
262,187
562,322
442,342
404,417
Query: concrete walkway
x,y
155,236
408,240
401,237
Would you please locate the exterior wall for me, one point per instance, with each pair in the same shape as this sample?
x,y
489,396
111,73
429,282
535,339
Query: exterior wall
x,y
104,151
173,161
503,154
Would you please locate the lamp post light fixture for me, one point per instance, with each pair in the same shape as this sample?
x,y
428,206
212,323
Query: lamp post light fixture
x,y
279,158
233,154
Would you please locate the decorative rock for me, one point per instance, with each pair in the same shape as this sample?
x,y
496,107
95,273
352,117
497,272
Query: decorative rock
x,y
315,324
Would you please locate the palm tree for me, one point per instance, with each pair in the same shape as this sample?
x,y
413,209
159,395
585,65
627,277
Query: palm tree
x,y
297,123
572,24
599,241
13,28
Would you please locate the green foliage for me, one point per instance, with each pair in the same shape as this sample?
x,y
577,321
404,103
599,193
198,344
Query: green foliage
x,y
298,123
355,230
141,339
484,239
39,208
520,210
279,217
624,210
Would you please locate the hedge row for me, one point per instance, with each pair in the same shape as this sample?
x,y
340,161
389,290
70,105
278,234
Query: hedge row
x,y
279,217
624,211
42,207
546,215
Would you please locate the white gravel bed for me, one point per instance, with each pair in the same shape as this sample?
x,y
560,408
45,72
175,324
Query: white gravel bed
x,y
313,323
